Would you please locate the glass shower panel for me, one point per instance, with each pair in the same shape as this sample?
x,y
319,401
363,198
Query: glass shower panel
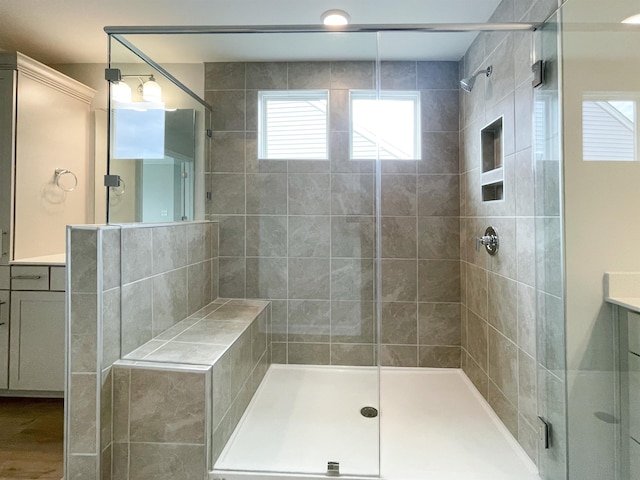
x,y
157,145
297,231
550,329
600,93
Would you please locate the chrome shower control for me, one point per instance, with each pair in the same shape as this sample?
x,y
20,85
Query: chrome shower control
x,y
489,240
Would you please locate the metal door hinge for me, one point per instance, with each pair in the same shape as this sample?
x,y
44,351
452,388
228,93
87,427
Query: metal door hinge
x,y
538,70
112,74
544,430
209,133
209,196
112,180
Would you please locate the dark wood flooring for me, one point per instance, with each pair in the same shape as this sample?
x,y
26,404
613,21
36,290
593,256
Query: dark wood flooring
x,y
31,436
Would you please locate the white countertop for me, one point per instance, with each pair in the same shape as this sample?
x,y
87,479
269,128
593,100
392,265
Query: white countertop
x,y
58,259
623,289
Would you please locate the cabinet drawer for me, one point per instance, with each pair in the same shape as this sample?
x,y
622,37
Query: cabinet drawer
x,y
29,278
57,280
5,278
634,332
634,396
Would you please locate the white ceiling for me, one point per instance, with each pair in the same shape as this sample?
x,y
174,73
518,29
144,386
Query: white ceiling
x,y
71,31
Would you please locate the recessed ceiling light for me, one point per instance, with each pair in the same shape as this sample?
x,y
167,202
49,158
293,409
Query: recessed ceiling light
x,y
633,19
335,17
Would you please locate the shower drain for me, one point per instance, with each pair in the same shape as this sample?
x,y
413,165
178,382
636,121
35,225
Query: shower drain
x,y
369,412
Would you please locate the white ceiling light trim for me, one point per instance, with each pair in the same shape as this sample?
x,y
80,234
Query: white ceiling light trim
x,y
335,18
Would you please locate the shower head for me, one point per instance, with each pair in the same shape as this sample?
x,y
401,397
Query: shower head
x,y
467,83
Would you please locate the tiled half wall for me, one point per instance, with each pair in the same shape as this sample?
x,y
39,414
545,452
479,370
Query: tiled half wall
x,y
124,282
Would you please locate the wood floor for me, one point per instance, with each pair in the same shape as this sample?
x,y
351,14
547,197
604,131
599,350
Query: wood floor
x,y
31,433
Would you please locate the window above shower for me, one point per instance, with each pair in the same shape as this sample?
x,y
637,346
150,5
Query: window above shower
x,y
293,124
388,125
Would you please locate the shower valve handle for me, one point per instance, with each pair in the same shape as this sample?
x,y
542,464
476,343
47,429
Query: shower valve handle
x,y
489,240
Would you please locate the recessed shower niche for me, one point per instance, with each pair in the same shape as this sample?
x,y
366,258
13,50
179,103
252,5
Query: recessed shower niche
x,y
491,144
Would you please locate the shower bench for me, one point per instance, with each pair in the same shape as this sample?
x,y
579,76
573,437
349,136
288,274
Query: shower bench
x,y
178,397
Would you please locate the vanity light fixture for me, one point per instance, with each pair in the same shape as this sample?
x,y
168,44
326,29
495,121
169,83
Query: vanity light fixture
x,y
633,19
149,90
335,17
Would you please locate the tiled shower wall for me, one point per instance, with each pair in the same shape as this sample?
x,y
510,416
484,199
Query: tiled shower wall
x,y
125,284
498,293
302,233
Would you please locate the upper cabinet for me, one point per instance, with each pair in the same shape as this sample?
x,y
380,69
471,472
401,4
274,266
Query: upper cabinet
x,y
47,176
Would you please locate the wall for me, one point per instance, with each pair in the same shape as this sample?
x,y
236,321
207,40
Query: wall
x,y
124,285
498,293
302,233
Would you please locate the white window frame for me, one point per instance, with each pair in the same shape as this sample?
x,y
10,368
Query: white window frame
x,y
606,97
264,96
413,95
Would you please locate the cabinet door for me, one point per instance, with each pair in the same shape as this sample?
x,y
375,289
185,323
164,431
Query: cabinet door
x,y
4,339
37,341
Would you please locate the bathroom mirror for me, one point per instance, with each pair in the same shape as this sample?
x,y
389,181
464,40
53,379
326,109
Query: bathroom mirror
x,y
157,145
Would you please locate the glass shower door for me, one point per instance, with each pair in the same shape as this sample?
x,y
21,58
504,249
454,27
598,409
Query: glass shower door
x,y
297,227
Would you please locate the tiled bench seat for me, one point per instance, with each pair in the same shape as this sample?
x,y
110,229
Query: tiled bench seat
x,y
178,397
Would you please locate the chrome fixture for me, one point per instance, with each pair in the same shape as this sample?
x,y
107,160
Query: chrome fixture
x,y
59,173
467,83
489,240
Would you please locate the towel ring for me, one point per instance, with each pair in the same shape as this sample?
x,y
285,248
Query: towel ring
x,y
119,193
63,171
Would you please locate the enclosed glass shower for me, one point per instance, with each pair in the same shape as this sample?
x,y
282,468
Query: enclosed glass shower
x,y
392,329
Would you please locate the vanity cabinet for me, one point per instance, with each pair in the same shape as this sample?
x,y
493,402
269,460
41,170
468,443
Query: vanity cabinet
x,y
633,336
47,175
630,383
37,341
32,330
4,327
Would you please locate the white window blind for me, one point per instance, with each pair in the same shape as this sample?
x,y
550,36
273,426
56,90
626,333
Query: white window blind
x,y
292,125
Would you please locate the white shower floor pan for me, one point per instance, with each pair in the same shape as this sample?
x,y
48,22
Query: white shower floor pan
x,y
433,425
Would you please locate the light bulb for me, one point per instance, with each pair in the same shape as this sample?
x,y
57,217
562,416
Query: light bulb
x,y
151,91
120,92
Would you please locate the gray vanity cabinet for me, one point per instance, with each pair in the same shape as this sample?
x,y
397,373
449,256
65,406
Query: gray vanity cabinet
x,y
46,184
32,330
633,329
4,327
